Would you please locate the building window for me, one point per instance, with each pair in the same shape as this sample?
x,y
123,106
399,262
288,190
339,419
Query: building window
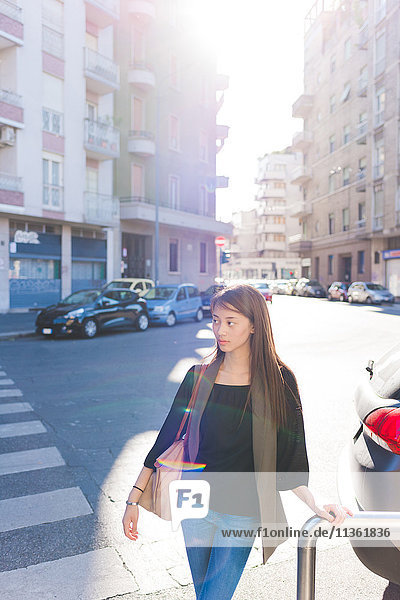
x,y
332,141
361,214
346,175
137,115
346,219
52,121
330,264
332,182
347,49
331,223
346,134
380,10
173,256
316,262
174,72
332,104
174,133
362,167
380,106
333,63
361,262
173,192
203,200
203,257
380,54
203,146
137,179
346,92
377,258
52,183
138,46
378,208
379,167
92,180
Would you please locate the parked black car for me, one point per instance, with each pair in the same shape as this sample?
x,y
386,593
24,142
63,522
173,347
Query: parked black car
x,y
369,469
208,294
88,311
313,289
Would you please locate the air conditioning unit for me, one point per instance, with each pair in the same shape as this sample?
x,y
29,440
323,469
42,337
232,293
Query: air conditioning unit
x,y
7,136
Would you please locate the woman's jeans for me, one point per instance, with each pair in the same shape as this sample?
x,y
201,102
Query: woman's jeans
x,y
217,562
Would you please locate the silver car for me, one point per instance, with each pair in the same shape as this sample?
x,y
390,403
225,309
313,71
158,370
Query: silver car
x,y
370,293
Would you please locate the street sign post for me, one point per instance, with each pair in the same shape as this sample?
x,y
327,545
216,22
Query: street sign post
x,y
220,243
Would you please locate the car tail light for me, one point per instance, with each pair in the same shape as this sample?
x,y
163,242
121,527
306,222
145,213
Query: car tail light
x,y
385,423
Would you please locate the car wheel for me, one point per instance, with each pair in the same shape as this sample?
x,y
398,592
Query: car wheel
x,y
171,319
330,297
350,300
143,322
199,315
368,300
341,298
90,328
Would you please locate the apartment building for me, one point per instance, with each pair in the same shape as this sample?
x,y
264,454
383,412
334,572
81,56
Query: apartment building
x,y
260,247
168,100
350,214
58,215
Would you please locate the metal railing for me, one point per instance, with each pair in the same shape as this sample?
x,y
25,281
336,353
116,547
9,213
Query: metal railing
x,y
361,223
362,86
163,204
52,121
379,170
102,66
363,36
100,208
52,42
10,98
362,128
10,9
10,182
102,137
141,135
361,174
307,545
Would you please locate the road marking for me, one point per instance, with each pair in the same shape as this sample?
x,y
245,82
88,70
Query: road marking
x,y
24,428
30,460
26,511
6,382
10,393
91,576
16,407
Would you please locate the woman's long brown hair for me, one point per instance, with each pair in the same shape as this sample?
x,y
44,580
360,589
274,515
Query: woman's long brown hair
x,y
265,364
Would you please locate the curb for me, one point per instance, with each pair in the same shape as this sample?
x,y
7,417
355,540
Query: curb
x,y
16,334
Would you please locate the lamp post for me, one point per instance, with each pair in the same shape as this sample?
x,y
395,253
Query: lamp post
x,y
157,190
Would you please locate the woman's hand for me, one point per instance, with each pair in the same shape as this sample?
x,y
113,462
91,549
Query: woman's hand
x,y
129,522
334,513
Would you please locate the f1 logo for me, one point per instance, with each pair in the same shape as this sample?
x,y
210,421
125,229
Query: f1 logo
x,y
188,502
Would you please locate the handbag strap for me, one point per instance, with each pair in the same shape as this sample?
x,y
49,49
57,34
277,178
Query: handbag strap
x,y
199,371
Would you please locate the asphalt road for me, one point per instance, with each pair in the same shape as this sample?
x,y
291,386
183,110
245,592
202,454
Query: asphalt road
x,y
101,402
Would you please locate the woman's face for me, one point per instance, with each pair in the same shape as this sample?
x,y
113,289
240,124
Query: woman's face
x,y
231,328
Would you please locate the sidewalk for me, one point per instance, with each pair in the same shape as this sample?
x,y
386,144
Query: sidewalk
x,y
17,324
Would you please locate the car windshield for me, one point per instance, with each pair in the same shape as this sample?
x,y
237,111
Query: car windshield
x,y
160,293
82,297
262,286
375,286
345,286
118,284
314,283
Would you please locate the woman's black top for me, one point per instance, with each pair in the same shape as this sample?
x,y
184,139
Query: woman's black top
x,y
226,432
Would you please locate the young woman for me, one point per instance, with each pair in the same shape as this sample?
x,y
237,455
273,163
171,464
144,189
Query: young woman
x,y
250,423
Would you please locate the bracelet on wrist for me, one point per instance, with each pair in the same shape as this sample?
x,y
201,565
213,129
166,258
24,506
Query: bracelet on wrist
x,y
132,503
138,488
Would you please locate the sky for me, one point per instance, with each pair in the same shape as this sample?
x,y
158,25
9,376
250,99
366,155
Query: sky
x,y
259,44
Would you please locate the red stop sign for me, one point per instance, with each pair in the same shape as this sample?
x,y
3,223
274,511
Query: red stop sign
x,y
220,241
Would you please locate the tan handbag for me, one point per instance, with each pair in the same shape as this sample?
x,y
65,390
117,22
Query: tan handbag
x,y
171,463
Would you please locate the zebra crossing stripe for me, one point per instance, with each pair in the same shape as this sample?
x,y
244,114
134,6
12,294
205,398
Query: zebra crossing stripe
x,y
30,460
37,509
6,382
24,428
90,576
10,393
17,407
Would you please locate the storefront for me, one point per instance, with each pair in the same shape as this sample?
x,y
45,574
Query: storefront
x,y
392,270
89,258
35,273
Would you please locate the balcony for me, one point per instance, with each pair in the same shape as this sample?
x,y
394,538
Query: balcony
x,y
302,141
303,105
301,175
100,209
361,223
53,197
141,75
102,13
143,209
11,190
271,173
11,26
52,42
362,86
101,140
102,74
145,10
273,209
271,228
270,192
363,37
379,170
11,111
298,243
361,185
362,130
141,143
299,209
221,82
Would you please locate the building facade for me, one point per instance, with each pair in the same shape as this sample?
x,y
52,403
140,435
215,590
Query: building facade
x,y
64,108
167,105
260,245
350,211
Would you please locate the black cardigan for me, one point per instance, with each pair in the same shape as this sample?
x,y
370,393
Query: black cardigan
x,y
292,462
